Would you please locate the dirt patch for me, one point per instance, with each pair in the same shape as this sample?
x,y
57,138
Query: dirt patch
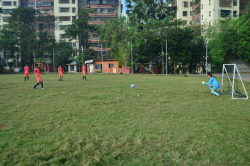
x,y
3,126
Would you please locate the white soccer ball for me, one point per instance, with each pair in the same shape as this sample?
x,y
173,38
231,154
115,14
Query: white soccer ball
x,y
132,85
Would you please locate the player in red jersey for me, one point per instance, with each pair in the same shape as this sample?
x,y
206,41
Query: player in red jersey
x,y
84,72
60,71
26,72
39,79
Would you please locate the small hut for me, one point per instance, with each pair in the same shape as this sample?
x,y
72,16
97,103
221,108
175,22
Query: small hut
x,y
72,67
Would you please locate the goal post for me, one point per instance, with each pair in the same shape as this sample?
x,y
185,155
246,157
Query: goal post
x,y
232,82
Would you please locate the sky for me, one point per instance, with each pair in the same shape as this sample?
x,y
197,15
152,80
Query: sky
x,y
124,7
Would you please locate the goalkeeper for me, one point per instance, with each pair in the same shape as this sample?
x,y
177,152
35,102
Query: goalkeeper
x,y
213,84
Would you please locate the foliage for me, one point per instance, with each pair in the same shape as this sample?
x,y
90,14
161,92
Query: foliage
x,y
27,31
118,35
63,54
82,27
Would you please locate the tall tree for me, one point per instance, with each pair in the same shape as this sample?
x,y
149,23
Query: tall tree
x,y
31,32
82,27
63,54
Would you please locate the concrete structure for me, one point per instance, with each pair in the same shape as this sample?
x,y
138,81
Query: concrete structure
x,y
72,67
209,11
109,66
65,11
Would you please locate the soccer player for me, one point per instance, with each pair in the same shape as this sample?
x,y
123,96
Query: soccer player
x,y
213,84
26,72
84,72
60,71
39,79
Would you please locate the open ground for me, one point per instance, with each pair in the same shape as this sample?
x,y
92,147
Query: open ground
x,y
164,120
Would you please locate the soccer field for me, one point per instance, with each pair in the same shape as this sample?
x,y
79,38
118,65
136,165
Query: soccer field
x,y
164,120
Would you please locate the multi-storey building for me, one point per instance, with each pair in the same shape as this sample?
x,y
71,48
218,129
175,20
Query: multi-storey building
x,y
65,11
209,11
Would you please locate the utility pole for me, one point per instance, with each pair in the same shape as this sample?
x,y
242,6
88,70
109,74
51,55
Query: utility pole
x,y
166,57
102,58
54,60
132,58
206,54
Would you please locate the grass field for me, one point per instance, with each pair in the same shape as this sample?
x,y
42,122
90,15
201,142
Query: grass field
x,y
164,120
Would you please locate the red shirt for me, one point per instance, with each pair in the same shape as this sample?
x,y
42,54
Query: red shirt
x,y
26,69
37,72
60,69
84,69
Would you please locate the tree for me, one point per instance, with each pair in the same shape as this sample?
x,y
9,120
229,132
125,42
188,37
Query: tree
x,y
63,54
31,33
244,34
118,35
82,27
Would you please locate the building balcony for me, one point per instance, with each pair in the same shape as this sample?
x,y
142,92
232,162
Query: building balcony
x,y
100,49
196,6
104,2
104,15
196,16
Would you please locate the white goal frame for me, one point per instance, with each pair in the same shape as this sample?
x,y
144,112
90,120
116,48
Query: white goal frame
x,y
235,69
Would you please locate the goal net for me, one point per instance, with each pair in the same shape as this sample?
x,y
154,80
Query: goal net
x,y
232,82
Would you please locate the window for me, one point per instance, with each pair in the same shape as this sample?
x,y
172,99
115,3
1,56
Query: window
x,y
7,11
184,13
73,44
225,3
111,65
63,27
5,19
72,68
243,6
14,3
73,9
64,9
235,2
63,1
64,18
209,2
201,17
191,4
45,3
98,66
8,3
73,1
202,6
235,13
185,3
63,36
209,13
225,13
73,17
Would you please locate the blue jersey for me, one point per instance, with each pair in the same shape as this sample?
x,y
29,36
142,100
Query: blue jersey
x,y
213,81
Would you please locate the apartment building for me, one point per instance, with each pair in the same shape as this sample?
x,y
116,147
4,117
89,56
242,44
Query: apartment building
x,y
209,11
65,12
104,10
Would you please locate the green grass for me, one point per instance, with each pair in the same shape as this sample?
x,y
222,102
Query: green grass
x,y
164,120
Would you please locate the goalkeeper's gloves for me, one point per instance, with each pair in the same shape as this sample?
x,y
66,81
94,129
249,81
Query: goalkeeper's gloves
x,y
203,82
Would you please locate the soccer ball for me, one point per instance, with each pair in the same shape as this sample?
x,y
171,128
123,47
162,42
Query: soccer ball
x,y
132,85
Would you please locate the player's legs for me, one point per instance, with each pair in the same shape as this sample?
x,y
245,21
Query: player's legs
x,y
24,78
41,83
28,78
214,90
36,85
59,77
